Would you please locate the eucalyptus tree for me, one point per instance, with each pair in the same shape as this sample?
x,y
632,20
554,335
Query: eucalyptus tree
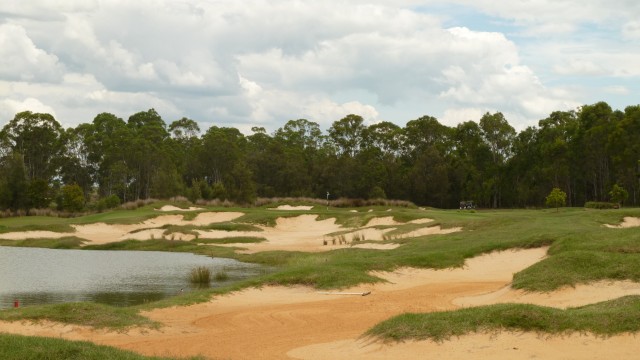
x,y
185,145
498,135
625,151
36,136
107,140
148,154
596,123
346,134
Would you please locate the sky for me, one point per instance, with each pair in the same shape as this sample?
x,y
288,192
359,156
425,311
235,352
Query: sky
x,y
263,62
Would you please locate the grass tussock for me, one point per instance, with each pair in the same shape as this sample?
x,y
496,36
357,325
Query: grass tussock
x,y
200,275
606,318
221,275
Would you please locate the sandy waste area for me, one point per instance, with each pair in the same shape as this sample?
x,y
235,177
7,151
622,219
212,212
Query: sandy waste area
x,y
627,222
275,322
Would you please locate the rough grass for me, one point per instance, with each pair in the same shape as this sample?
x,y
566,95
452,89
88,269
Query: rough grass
x,y
88,314
606,318
17,347
68,242
230,240
200,275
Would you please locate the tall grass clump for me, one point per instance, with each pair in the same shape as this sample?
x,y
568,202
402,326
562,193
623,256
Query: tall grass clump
x,y
221,275
200,275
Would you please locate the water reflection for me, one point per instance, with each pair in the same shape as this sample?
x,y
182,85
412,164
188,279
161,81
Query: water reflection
x,y
45,276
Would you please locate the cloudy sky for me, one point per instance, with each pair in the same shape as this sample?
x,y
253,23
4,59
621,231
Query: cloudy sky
x,y
263,62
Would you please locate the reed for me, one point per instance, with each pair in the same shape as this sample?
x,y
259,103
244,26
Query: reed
x,y
200,275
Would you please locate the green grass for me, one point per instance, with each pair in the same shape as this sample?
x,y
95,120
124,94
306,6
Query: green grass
x,y
231,240
606,318
68,242
89,314
17,347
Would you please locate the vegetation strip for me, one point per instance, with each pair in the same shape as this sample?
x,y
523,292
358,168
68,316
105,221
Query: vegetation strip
x,y
18,347
606,318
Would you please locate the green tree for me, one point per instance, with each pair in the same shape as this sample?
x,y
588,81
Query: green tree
x,y
556,198
72,198
37,137
618,194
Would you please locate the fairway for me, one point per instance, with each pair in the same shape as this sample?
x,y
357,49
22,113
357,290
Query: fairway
x,y
443,279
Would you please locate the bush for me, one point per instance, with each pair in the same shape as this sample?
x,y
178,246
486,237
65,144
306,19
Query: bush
x,y
600,205
72,198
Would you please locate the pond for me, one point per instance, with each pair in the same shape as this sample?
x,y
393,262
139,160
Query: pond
x,y
45,276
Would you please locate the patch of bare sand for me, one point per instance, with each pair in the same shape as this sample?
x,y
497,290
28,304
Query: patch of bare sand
x,y
383,221
306,233
272,322
627,222
175,208
292,208
101,233
500,346
581,294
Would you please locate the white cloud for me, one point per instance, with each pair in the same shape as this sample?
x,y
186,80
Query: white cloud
x,y
22,60
617,90
264,62
10,107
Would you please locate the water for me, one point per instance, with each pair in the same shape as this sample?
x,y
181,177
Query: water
x,y
46,276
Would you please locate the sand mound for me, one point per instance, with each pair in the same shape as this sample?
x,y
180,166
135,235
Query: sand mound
x,y
292,208
175,208
501,346
582,294
628,222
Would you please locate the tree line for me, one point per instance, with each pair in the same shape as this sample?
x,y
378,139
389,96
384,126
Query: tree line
x,y
583,152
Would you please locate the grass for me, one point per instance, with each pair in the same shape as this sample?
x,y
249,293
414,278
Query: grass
x,y
88,314
200,275
221,276
231,240
606,318
18,347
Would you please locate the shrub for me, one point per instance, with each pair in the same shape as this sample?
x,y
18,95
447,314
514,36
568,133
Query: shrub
x,y
600,205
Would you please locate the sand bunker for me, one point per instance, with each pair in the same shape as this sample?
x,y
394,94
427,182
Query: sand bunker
x,y
628,222
292,208
101,233
306,233
500,346
175,208
581,294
